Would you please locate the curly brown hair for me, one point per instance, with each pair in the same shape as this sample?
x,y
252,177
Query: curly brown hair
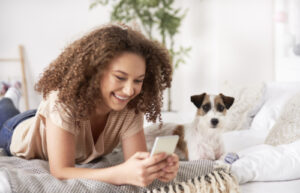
x,y
77,71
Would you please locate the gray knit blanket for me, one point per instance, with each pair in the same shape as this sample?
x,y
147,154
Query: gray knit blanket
x,y
33,176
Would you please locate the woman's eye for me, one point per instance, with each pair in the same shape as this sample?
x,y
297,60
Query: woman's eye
x,y
120,78
138,81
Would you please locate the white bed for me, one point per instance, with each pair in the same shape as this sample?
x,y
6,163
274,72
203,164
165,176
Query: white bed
x,y
264,130
257,112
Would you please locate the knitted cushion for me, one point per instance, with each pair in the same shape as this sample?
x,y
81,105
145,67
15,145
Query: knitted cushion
x,y
287,127
247,101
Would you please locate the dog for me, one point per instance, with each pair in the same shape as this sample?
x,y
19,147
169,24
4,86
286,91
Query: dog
x,y
200,139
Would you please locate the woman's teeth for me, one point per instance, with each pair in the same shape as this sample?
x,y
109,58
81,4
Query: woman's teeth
x,y
121,98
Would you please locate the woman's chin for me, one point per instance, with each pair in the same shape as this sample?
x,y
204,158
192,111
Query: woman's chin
x,y
118,107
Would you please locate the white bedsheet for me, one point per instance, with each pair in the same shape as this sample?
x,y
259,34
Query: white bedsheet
x,y
271,187
4,184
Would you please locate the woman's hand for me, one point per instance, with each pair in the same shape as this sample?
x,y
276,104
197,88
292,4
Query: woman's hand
x,y
170,171
141,169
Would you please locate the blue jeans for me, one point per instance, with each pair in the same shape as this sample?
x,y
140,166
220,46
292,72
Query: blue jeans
x,y
10,117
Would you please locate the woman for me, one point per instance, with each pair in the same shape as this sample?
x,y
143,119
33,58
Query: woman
x,y
94,96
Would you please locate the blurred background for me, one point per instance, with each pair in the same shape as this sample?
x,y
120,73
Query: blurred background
x,y
238,41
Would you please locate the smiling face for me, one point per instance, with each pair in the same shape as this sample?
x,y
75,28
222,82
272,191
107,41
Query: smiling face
x,y
122,81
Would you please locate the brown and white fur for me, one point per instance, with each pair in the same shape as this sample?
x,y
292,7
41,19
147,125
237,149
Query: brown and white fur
x,y
200,139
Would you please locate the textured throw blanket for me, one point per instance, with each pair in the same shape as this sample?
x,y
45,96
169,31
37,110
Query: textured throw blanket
x,y
33,176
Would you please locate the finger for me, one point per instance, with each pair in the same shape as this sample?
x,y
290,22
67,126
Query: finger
x,y
141,155
155,159
173,158
157,167
156,175
163,179
167,177
165,166
170,169
172,163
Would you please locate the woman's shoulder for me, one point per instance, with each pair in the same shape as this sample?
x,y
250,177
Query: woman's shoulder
x,y
51,108
50,104
51,96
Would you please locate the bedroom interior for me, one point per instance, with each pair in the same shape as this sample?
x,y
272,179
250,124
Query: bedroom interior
x,y
245,49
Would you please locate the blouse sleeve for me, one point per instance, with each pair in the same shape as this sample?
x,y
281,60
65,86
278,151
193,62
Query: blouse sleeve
x,y
135,124
51,109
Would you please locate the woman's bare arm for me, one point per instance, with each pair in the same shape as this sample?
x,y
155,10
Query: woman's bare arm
x,y
61,155
133,144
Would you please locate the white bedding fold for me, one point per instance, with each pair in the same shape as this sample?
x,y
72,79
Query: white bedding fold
x,y
4,184
268,163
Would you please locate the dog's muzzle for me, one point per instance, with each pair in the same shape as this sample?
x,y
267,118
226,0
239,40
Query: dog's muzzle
x,y
214,122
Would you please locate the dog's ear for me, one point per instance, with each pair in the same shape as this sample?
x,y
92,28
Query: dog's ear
x,y
228,101
198,99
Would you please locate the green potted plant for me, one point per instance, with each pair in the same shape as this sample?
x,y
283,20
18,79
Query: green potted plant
x,y
157,19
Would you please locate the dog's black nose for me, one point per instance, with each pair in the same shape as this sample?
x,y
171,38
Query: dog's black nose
x,y
214,121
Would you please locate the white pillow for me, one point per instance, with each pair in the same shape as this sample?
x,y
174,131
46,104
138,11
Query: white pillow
x,y
235,141
275,97
245,106
268,163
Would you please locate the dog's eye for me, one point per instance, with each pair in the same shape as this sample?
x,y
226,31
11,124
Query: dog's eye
x,y
220,107
206,107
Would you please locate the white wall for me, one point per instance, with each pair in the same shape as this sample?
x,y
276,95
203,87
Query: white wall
x,y
44,28
231,40
286,36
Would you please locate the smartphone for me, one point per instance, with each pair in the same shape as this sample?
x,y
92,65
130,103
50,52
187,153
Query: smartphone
x,y
165,144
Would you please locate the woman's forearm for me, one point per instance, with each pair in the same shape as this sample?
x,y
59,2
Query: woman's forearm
x,y
139,170
112,175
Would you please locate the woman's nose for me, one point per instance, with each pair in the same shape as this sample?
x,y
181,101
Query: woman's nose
x,y
128,89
